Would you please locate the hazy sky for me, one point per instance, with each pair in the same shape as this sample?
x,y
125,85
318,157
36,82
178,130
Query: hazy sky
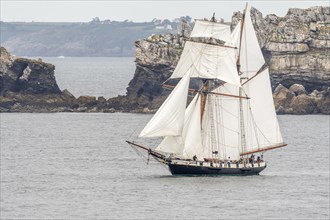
x,y
136,10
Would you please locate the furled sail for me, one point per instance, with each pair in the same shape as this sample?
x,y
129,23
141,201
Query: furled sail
x,y
208,29
168,120
209,62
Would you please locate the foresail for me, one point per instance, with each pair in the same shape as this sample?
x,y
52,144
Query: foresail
x,y
168,120
171,145
192,132
208,29
262,128
182,143
208,61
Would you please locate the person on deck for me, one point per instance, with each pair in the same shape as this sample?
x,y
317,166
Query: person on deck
x,y
195,158
258,161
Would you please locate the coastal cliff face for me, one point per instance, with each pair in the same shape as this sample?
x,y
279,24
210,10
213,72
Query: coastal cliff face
x,y
26,76
156,58
28,85
296,49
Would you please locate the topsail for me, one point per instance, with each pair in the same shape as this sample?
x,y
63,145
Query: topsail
x,y
209,62
207,29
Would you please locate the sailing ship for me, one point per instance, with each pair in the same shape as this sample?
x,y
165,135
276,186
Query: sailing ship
x,y
231,119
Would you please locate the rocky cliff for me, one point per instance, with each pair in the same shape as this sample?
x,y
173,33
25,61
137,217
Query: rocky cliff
x,y
296,49
28,85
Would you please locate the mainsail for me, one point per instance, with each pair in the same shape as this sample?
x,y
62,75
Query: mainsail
x,y
260,121
262,128
221,131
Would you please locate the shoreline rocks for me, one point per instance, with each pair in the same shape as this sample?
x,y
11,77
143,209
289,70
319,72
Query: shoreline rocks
x,y
296,100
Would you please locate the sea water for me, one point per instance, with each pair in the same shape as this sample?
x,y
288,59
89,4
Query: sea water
x,y
95,76
78,166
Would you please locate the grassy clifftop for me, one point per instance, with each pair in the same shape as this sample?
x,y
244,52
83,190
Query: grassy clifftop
x,y
76,39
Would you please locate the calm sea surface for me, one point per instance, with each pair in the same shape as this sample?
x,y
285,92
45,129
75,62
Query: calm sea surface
x,y
78,166
96,76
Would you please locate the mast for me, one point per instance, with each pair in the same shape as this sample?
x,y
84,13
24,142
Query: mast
x,y
240,40
203,98
205,87
242,128
243,139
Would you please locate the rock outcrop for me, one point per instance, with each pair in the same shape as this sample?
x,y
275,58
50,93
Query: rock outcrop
x,y
296,48
28,85
296,100
156,58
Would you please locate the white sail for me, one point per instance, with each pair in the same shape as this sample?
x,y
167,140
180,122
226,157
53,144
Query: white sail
x,y
251,58
262,128
208,61
221,128
175,144
188,144
231,125
192,132
235,38
168,120
208,29
171,145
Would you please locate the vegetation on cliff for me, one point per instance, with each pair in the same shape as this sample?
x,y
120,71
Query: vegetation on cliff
x,y
93,39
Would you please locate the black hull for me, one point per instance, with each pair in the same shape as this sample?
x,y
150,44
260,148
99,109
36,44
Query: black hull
x,y
179,169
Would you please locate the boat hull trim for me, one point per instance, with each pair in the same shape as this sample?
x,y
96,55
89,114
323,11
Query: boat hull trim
x,y
185,169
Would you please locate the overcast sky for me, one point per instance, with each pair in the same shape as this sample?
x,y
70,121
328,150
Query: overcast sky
x,y
136,10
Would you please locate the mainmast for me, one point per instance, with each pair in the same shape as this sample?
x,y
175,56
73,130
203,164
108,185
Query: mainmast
x,y
240,40
242,127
